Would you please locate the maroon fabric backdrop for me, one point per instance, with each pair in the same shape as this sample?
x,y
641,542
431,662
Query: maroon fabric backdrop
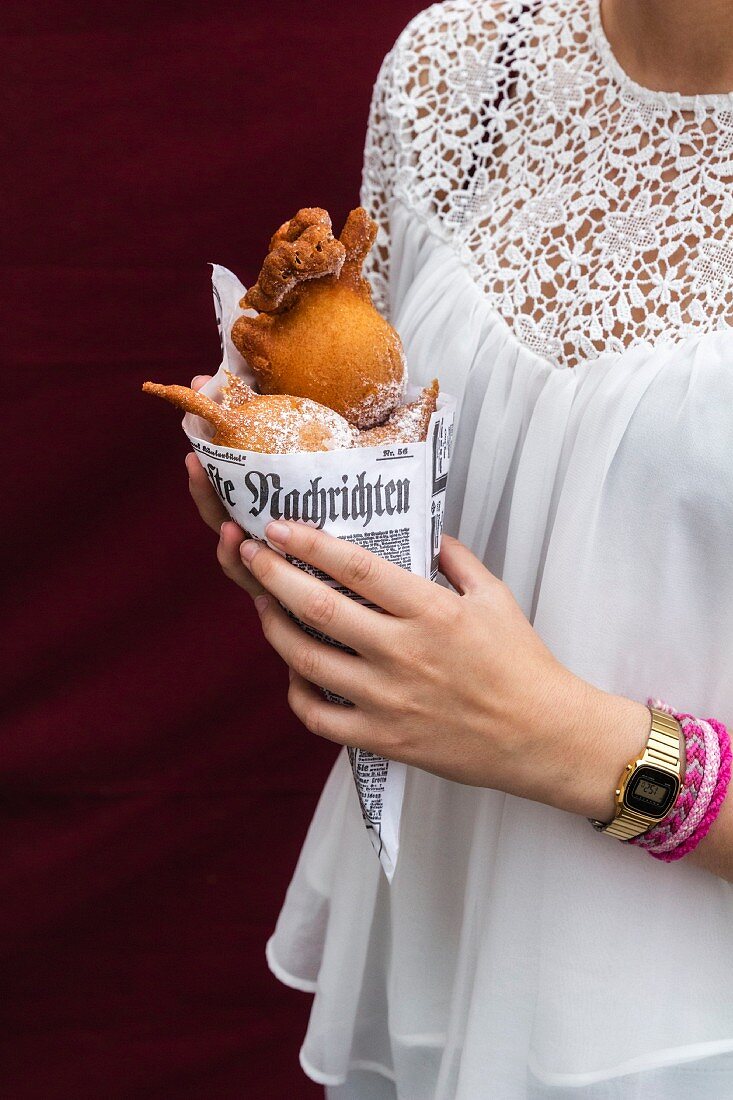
x,y
155,789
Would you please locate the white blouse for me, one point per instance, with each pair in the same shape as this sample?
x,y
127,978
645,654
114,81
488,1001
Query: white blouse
x,y
538,211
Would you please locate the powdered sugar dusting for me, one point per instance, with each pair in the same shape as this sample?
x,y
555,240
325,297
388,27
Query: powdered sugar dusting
x,y
407,424
376,406
304,425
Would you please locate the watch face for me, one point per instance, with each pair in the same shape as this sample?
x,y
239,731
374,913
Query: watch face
x,y
652,792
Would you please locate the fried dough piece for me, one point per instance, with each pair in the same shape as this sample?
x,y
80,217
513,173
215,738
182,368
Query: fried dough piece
x,y
275,424
235,392
303,248
407,424
317,334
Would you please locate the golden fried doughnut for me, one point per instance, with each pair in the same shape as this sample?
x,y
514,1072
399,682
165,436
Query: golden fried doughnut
x,y
317,334
275,424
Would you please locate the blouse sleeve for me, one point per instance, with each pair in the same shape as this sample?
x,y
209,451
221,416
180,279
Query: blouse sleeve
x,y
378,181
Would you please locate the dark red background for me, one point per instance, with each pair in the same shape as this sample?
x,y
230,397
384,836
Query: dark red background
x,y
155,790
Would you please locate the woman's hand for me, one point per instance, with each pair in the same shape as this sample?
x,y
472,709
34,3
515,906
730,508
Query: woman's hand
x,y
457,683
454,682
215,515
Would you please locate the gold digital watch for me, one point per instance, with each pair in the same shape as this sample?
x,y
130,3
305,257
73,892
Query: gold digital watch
x,y
649,784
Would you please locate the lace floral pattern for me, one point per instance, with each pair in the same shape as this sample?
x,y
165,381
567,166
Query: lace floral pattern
x,y
593,213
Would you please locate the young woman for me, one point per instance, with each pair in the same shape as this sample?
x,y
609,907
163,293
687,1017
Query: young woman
x,y
554,186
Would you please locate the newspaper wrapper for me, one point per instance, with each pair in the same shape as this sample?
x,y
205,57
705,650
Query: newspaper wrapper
x,y
387,499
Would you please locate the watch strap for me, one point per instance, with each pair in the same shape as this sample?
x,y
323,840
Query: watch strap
x,y
662,751
626,824
663,746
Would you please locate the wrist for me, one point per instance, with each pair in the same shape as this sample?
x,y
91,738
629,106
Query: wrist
x,y
622,734
602,733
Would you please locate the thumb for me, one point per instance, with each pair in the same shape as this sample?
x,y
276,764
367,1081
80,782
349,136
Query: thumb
x,y
200,381
461,568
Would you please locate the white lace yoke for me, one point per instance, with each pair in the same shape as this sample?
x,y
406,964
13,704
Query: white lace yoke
x,y
593,213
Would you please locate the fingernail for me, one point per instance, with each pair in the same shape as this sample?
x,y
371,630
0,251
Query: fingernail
x,y
221,529
277,532
261,603
197,378
249,548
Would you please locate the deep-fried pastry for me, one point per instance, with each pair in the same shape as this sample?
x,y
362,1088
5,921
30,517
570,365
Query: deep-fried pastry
x,y
318,334
274,424
235,391
279,424
302,248
407,424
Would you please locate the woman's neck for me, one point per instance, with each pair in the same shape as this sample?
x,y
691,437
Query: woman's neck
x,y
673,45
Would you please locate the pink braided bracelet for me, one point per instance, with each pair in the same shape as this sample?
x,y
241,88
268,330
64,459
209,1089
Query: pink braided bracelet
x,y
707,775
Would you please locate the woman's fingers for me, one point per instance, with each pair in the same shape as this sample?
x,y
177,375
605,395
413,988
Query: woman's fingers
x,y
381,582
319,663
211,509
215,515
314,602
461,568
227,552
330,720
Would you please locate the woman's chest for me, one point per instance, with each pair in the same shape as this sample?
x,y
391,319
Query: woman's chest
x,y
589,240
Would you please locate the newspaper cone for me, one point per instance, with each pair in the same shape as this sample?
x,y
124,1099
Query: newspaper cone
x,y
387,499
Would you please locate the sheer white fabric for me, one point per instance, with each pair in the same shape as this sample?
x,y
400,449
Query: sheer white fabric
x,y
519,954
593,213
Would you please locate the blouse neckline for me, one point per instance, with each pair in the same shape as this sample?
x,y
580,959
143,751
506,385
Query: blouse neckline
x,y
668,100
